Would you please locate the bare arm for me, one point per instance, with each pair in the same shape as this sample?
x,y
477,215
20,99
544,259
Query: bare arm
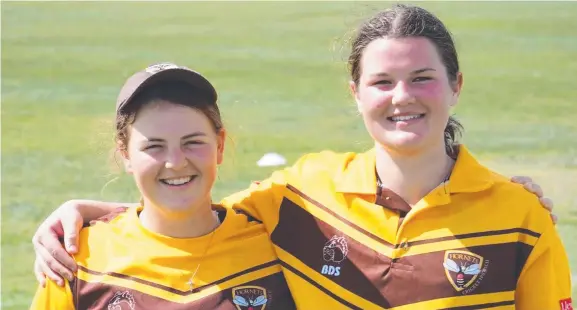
x,y
65,222
54,261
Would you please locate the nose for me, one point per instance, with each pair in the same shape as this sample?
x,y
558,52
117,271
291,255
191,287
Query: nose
x,y
176,159
402,94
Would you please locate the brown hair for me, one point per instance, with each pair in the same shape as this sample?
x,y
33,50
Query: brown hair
x,y
175,92
403,21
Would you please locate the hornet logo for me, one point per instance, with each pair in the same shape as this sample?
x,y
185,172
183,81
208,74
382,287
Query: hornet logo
x,y
462,268
249,297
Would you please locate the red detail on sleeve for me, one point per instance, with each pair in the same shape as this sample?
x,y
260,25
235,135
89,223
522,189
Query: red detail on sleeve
x,y
566,304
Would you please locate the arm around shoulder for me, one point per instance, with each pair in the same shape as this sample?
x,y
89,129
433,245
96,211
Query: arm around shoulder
x,y
93,209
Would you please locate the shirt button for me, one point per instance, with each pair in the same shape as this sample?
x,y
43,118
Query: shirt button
x,y
404,245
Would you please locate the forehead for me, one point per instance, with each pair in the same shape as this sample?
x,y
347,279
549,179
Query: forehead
x,y
397,54
165,120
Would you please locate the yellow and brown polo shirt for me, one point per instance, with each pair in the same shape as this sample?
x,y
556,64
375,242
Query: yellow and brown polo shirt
x,y
123,266
477,241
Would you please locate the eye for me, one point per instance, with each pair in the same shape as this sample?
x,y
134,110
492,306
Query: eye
x,y
383,82
193,142
422,79
152,146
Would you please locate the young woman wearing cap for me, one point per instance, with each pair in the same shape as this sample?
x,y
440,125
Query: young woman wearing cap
x,y
415,222
176,250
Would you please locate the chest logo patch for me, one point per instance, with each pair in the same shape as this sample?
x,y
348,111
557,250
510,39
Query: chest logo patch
x,y
122,301
249,297
334,252
465,270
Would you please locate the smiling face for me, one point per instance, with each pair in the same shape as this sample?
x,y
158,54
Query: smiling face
x,y
173,152
404,94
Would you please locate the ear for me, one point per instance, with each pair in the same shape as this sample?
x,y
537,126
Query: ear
x,y
125,159
355,94
221,138
456,86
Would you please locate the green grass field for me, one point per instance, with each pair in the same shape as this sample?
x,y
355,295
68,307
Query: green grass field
x,y
280,69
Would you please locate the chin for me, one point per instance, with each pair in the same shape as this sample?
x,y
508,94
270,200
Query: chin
x,y
178,205
406,141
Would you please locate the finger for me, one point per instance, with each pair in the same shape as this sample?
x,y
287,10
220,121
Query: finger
x,y
534,188
547,203
49,273
40,276
71,242
521,179
50,263
53,252
71,226
554,218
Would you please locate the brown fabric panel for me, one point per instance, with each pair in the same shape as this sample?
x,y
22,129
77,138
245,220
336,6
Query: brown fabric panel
x,y
388,199
104,296
406,280
305,237
173,290
74,292
523,252
318,286
501,264
342,219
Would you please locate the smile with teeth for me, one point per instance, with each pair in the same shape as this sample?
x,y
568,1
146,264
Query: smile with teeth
x,y
402,118
177,181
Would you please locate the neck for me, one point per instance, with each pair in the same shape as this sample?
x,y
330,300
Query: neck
x,y
413,176
168,223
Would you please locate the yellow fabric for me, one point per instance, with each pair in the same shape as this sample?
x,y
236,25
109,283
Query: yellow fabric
x,y
476,210
123,256
53,297
545,280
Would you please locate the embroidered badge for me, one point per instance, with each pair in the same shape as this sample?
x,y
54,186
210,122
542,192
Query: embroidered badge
x,y
250,297
465,270
122,301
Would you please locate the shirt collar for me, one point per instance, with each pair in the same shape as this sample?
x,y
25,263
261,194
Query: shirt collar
x,y
468,174
359,176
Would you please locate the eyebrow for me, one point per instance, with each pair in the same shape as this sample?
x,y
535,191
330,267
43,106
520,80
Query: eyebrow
x,y
192,135
414,72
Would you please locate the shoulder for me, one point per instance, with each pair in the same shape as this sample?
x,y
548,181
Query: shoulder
x,y
513,193
315,165
116,218
107,227
111,218
492,192
324,161
518,202
240,228
237,221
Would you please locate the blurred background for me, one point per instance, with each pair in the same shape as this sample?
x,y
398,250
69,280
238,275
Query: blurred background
x,y
280,69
